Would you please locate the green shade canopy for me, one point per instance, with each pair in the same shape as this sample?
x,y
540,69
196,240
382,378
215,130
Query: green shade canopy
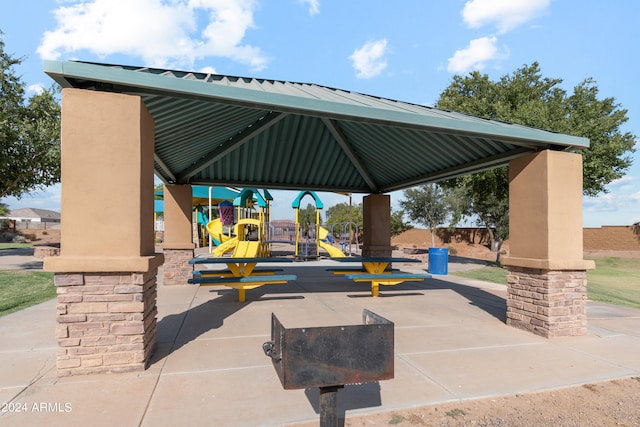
x,y
222,130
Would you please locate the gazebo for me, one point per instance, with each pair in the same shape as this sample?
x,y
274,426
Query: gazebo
x,y
122,124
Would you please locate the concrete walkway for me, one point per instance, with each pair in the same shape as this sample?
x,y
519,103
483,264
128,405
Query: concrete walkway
x,y
209,369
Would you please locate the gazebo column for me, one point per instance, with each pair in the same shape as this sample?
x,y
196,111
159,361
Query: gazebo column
x,y
546,281
106,272
178,246
376,241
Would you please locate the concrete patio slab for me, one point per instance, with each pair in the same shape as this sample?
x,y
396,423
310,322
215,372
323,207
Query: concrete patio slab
x,y
208,368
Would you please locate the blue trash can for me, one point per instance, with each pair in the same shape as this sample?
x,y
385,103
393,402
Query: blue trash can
x,y
438,261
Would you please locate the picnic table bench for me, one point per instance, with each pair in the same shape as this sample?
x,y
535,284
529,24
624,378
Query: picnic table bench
x,y
376,271
386,279
241,274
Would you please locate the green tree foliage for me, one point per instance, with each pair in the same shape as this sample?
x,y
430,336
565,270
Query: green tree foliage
x,y
342,213
398,226
486,196
159,188
307,218
526,97
29,133
427,205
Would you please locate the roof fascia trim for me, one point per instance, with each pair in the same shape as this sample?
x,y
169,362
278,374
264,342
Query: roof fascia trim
x,y
62,70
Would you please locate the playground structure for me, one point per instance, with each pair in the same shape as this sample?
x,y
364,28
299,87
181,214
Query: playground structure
x,y
310,239
244,228
204,200
247,238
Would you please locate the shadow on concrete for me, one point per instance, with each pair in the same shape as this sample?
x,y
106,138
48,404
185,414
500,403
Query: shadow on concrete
x,y
177,330
352,396
17,252
486,301
468,261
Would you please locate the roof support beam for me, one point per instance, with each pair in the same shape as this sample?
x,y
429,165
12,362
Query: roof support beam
x,y
351,154
464,169
264,123
164,169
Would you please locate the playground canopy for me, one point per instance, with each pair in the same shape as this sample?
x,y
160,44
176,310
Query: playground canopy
x,y
222,130
200,194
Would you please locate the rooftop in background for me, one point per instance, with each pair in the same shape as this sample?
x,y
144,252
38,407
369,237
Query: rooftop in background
x,y
222,130
34,214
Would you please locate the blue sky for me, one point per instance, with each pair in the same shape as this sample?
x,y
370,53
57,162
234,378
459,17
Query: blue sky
x,y
407,52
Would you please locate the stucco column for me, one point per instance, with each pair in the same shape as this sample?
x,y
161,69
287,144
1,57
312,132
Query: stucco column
x,y
178,243
547,282
376,241
106,272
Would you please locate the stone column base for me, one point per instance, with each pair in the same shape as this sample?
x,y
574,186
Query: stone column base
x,y
176,269
547,302
106,322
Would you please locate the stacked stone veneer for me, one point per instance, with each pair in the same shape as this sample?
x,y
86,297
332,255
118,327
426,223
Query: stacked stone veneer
x,y
547,303
106,321
176,269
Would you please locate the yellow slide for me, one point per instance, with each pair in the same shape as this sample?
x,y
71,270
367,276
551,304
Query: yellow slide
x,y
225,247
333,251
246,249
214,228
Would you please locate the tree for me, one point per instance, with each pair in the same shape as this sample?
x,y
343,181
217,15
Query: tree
x,y
398,226
427,205
485,196
635,228
307,218
29,133
342,212
526,97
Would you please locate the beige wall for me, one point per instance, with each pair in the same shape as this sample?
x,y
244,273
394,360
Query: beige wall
x,y
107,182
545,211
178,227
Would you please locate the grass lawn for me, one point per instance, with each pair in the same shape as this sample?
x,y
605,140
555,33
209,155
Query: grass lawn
x,y
615,280
21,289
15,245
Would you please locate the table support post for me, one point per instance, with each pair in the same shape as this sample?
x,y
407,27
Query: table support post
x,y
375,288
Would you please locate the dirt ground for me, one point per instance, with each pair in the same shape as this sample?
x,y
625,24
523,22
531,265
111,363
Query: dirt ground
x,y
611,403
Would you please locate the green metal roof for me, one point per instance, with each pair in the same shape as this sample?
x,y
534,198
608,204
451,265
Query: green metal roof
x,y
221,130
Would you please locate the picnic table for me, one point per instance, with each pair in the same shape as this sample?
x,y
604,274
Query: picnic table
x,y
241,274
375,270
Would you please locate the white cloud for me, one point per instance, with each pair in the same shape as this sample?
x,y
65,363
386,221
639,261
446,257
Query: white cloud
x,y
314,6
621,181
208,70
611,202
369,60
36,89
505,14
163,33
475,55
